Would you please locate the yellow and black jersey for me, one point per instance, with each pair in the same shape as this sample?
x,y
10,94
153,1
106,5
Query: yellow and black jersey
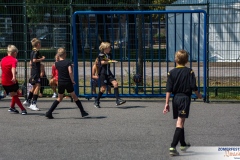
x,y
181,80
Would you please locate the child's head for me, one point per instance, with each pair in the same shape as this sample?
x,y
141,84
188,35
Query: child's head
x,y
36,43
181,57
61,52
12,50
105,47
56,57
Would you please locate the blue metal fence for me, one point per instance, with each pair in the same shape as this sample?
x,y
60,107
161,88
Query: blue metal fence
x,y
139,44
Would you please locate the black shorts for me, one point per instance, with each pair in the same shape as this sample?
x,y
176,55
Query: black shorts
x,y
181,105
44,81
12,88
35,79
94,83
62,87
106,79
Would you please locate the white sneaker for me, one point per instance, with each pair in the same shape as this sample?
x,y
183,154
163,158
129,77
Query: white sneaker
x,y
54,95
26,104
34,107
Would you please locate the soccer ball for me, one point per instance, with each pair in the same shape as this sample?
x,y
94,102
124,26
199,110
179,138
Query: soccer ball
x,y
137,78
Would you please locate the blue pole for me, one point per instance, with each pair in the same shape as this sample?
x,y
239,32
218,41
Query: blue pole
x,y
75,55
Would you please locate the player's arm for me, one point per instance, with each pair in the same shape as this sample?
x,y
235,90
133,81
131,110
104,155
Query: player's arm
x,y
193,84
94,71
70,71
169,88
36,59
14,74
166,107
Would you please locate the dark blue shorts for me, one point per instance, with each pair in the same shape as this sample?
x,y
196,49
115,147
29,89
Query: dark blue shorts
x,y
181,105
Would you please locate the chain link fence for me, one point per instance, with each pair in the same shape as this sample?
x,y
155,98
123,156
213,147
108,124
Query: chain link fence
x,y
50,21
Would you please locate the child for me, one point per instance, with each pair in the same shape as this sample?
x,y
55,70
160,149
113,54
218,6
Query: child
x,y
35,62
94,81
65,82
54,79
181,82
105,75
9,81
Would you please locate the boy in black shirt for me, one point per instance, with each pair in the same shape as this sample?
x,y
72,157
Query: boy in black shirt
x,y
35,62
105,75
65,82
181,82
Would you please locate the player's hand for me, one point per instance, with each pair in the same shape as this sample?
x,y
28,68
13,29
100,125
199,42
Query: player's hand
x,y
166,109
43,57
14,80
199,95
73,82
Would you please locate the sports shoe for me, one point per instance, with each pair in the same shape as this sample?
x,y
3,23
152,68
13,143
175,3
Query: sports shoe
x,y
96,104
14,110
84,114
26,104
54,95
120,101
49,115
173,152
24,112
34,107
184,148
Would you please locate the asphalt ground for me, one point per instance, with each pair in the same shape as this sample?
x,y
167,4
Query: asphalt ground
x,y
137,130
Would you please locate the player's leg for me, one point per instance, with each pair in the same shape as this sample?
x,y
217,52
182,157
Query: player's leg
x,y
53,84
34,106
175,104
28,102
94,84
70,89
78,102
12,90
102,90
184,114
61,89
116,91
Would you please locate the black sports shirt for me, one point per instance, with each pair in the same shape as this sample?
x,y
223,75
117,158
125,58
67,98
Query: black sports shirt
x,y
36,66
181,80
63,74
105,68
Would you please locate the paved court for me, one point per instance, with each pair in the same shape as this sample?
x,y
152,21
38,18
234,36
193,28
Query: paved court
x,y
136,130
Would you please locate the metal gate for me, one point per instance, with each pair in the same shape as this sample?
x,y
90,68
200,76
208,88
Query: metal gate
x,y
143,42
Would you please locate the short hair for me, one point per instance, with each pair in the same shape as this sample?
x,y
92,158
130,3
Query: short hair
x,y
35,42
181,57
12,49
57,57
61,52
104,45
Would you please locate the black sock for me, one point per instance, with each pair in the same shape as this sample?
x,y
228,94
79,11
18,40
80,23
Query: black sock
x,y
99,96
30,96
41,90
176,137
182,138
35,97
54,105
116,93
79,104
